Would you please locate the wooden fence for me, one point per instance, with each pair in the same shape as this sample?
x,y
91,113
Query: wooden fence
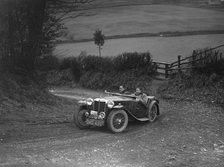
x,y
162,68
197,59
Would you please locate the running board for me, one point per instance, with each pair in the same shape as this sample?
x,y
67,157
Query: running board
x,y
139,119
142,119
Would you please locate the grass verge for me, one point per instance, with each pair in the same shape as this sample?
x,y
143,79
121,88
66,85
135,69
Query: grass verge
x,y
208,89
27,101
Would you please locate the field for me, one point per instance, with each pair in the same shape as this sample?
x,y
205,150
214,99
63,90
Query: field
x,y
143,19
162,48
149,19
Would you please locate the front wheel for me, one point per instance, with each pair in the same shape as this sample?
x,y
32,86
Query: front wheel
x,y
153,112
79,119
117,121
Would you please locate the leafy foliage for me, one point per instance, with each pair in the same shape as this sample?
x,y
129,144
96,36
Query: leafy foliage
x,y
30,27
209,68
130,69
99,39
47,63
128,61
204,83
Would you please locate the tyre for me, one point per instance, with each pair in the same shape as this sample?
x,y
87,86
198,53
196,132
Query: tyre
x,y
153,111
79,119
117,121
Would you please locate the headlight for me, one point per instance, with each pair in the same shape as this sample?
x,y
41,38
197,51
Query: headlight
x,y
89,101
86,113
110,104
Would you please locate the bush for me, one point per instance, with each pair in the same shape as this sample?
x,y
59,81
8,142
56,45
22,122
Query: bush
x,y
205,82
76,69
192,86
59,78
95,80
100,80
208,62
97,72
95,63
211,67
129,69
73,64
128,61
48,63
65,63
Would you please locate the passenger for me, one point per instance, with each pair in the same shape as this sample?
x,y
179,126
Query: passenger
x,y
141,97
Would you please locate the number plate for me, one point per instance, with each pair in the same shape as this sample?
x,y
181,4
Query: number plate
x,y
94,113
95,122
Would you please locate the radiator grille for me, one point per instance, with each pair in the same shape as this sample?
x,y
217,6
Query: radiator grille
x,y
99,106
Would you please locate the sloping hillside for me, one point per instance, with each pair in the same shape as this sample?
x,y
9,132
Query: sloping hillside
x,y
25,102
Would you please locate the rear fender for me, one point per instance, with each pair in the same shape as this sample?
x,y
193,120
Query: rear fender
x,y
152,98
156,103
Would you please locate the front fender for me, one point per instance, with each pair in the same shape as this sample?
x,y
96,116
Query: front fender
x,y
118,107
128,112
83,106
82,102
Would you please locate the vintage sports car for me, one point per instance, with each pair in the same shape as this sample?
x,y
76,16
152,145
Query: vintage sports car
x,y
114,110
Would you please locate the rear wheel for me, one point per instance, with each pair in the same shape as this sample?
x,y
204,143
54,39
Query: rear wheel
x,y
79,119
117,121
153,112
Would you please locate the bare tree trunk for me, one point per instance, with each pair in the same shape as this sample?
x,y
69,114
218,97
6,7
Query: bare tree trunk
x,y
99,50
36,14
10,39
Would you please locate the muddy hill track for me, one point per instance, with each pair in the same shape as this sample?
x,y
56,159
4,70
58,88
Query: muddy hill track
x,y
187,133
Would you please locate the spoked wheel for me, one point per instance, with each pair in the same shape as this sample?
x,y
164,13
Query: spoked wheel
x,y
117,121
153,112
79,119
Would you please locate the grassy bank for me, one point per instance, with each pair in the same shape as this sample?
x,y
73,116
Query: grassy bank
x,y
205,84
24,100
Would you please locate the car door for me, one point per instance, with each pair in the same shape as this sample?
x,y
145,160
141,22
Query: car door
x,y
140,111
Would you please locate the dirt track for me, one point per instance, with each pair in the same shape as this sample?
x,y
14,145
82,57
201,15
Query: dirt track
x,y
186,134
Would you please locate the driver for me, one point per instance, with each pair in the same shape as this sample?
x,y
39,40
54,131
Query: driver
x,y
140,96
123,90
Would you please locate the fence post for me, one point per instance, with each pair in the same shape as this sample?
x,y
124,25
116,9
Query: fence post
x,y
166,70
201,62
179,56
193,58
216,56
156,66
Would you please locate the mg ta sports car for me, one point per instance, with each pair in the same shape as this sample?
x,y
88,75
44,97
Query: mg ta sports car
x,y
114,110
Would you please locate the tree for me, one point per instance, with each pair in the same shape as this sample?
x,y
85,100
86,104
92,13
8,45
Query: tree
x,y
31,26
99,39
